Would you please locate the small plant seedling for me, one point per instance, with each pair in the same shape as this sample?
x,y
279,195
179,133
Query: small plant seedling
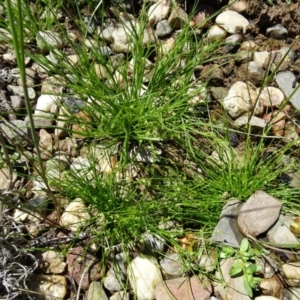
x,y
243,265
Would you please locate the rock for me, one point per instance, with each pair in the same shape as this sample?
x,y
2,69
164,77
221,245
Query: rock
x,y
55,167
260,206
266,298
75,215
144,275
268,264
277,119
231,21
241,99
54,286
233,42
19,90
226,231
112,281
154,244
62,123
234,289
74,105
238,6
172,265
292,293
158,11
45,103
183,288
83,267
163,29
47,40
203,12
285,82
207,262
292,273
295,226
30,75
52,85
280,233
290,134
277,32
5,180
17,103
219,93
16,132
83,125
251,71
166,47
271,287
254,122
178,18
216,32
120,296
142,155
260,57
52,262
279,60
96,291
69,146
44,121
45,144
102,71
270,96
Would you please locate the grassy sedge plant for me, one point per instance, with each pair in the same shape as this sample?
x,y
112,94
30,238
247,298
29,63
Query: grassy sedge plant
x,y
182,183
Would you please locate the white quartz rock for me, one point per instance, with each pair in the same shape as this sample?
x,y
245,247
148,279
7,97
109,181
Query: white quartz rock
x,y
144,275
231,21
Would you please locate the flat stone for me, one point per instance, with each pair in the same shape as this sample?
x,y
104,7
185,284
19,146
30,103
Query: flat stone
x,y
285,82
121,295
172,264
280,233
270,96
52,262
292,273
234,290
96,291
266,298
183,288
226,231
219,93
19,90
254,122
258,214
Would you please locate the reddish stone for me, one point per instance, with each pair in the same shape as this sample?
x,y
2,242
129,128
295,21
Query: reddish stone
x,y
183,288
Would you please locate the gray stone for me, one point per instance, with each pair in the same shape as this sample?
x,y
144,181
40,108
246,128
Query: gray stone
x,y
251,71
219,92
254,122
233,42
285,82
41,121
258,214
163,29
96,291
172,264
16,132
46,40
234,290
112,282
280,233
19,90
120,296
292,293
153,243
277,32
105,51
226,231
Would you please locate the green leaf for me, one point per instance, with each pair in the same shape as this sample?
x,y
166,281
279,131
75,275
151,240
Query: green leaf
x,y
244,245
236,269
254,282
250,269
258,268
228,250
247,286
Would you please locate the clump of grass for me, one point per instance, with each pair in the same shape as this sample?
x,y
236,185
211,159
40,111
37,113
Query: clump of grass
x,y
197,168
